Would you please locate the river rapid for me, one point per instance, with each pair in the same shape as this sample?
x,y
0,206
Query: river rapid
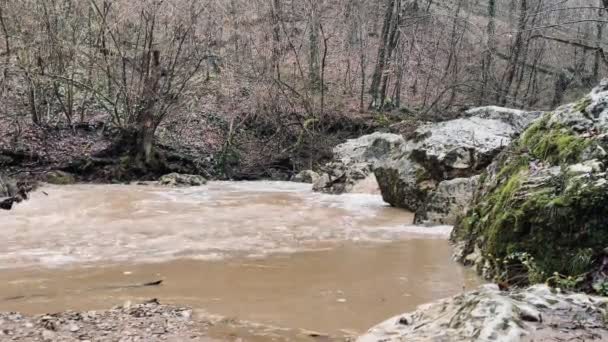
x,y
269,252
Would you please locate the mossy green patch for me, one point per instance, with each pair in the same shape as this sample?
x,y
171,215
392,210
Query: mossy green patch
x,y
553,143
582,104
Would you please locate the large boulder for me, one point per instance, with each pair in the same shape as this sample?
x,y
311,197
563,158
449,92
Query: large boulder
x,y
541,212
488,314
464,147
413,178
450,200
354,161
403,182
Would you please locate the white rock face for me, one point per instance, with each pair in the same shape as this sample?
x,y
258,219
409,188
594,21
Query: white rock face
x,y
462,144
410,174
463,147
368,148
432,174
516,118
354,161
488,314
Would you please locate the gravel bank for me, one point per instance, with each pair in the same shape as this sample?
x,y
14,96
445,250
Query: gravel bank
x,y
142,322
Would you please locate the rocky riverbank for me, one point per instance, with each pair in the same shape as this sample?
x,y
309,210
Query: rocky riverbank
x,y
538,313
143,322
149,322
488,314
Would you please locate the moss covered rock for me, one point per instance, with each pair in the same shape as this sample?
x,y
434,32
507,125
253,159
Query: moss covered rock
x,y
59,178
542,209
177,180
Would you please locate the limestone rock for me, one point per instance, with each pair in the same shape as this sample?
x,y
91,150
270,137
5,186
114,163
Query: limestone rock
x,y
403,183
463,147
410,173
454,150
448,202
177,179
354,161
537,313
515,118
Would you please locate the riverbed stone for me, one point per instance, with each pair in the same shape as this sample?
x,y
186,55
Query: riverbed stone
x,y
540,212
537,313
177,179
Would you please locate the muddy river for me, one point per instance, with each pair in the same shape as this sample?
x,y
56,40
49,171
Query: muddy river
x,y
269,252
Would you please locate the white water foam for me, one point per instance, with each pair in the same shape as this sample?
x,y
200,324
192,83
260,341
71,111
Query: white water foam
x,y
119,223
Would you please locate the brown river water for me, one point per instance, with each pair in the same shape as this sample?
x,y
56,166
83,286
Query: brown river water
x,y
269,252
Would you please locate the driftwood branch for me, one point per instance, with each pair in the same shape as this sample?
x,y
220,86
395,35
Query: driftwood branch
x,y
539,68
113,287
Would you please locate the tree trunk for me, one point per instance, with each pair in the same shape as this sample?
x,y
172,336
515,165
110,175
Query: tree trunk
x,y
505,88
392,44
276,17
598,54
488,57
382,51
145,123
314,66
